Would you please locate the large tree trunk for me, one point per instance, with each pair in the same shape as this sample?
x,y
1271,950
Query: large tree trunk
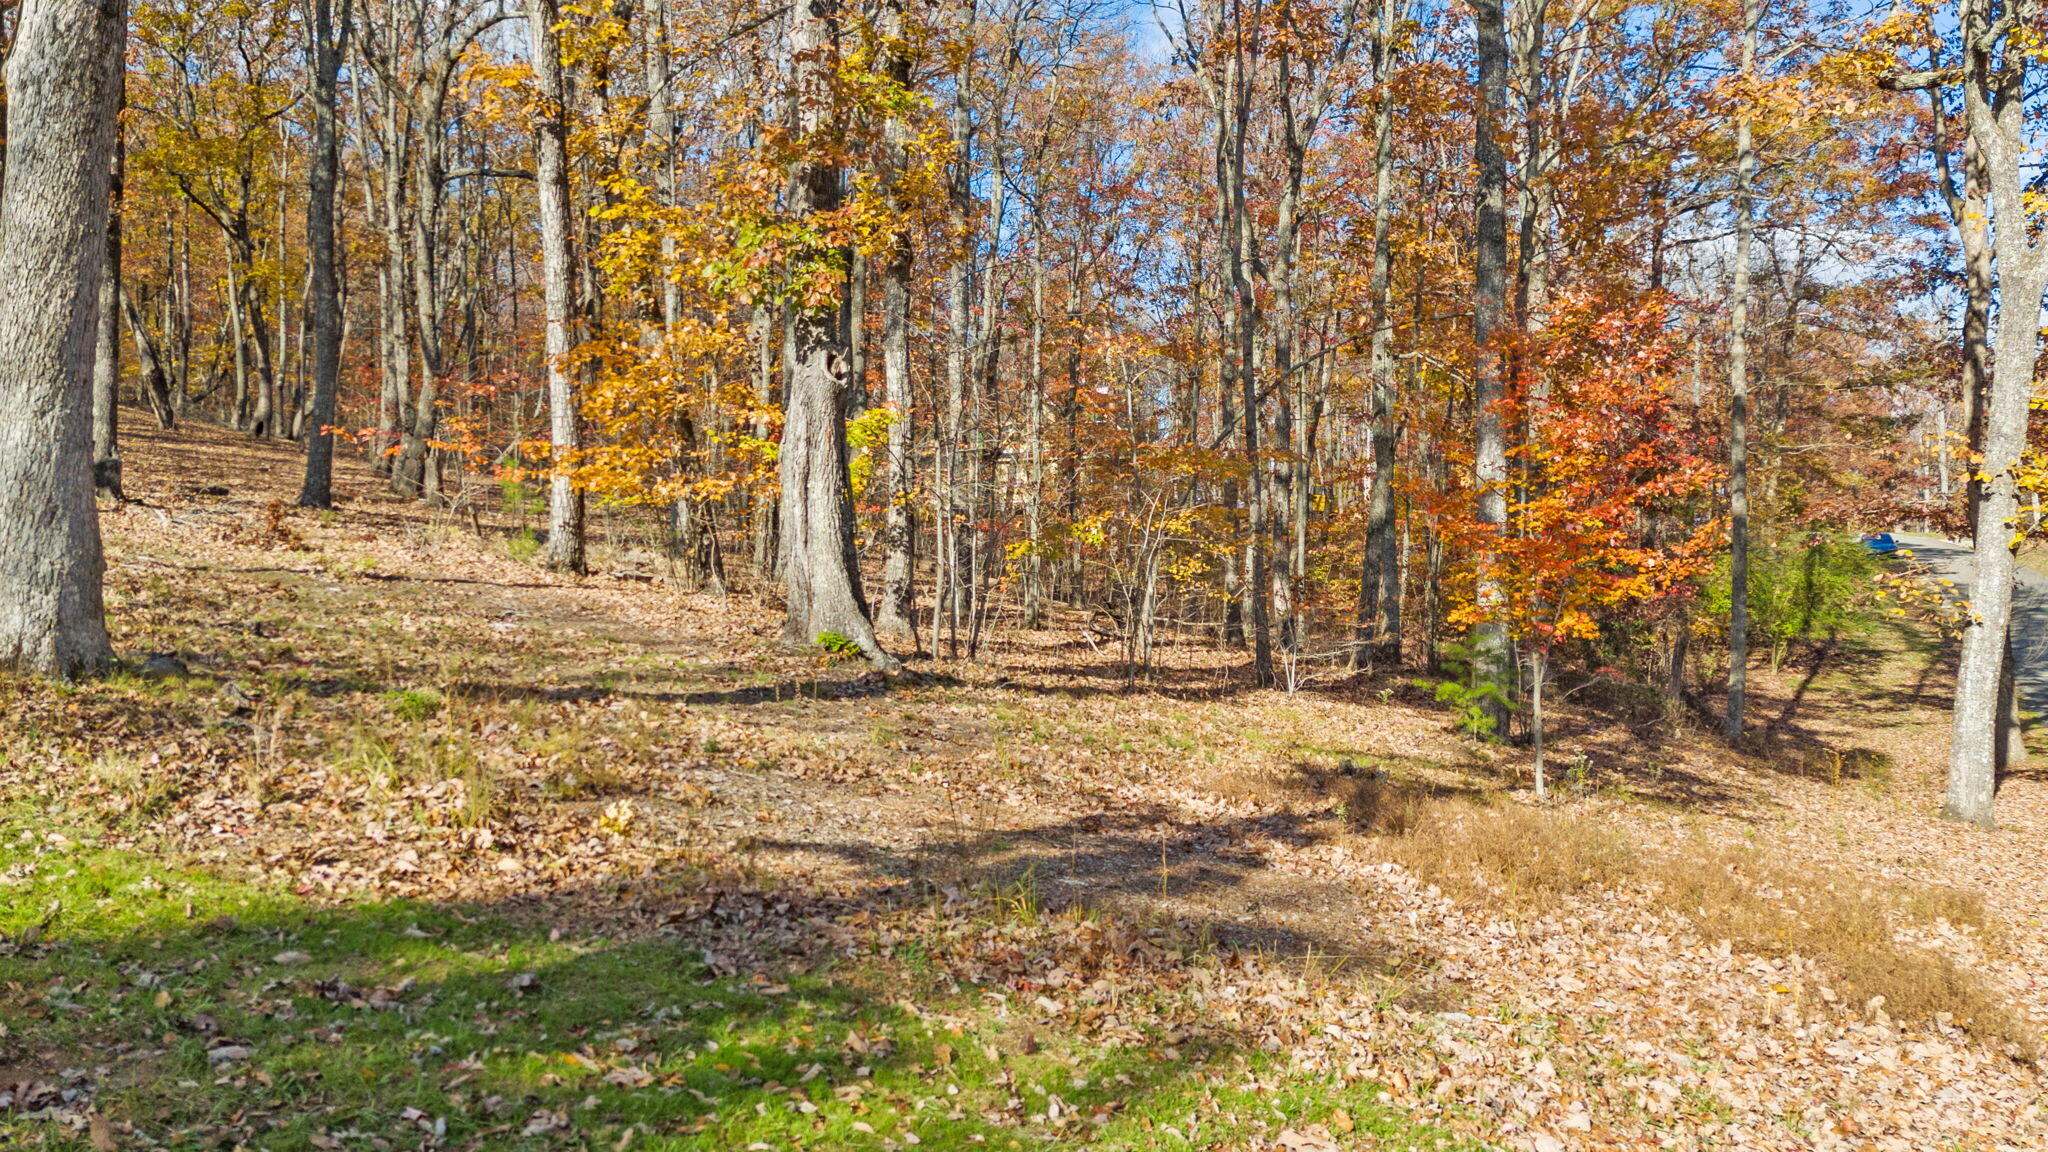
x,y
558,272
106,365
1967,208
1738,400
63,82
821,576
323,300
1489,303
1994,90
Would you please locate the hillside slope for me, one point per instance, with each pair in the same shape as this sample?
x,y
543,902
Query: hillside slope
x,y
379,715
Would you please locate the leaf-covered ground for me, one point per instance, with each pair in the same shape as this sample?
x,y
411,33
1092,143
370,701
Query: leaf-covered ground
x,y
403,843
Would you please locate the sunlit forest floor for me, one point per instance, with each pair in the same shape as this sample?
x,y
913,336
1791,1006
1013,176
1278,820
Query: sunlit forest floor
x,y
384,838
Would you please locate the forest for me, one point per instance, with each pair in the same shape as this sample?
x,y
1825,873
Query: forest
x,y
1234,574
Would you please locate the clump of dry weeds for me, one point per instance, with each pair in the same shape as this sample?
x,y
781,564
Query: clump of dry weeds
x,y
1507,853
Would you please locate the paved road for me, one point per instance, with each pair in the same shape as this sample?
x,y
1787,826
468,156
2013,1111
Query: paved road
x,y
2029,613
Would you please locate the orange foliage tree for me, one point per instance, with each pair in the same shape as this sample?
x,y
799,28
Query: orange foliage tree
x,y
1606,502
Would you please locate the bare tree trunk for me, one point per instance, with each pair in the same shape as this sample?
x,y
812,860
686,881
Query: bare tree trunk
x,y
766,552
1070,416
1379,599
1994,92
558,287
330,41
820,570
393,328
63,84
1489,303
1034,572
985,447
1967,208
661,131
298,402
1280,481
238,417
691,523
896,615
1232,100
106,366
955,587
263,419
1738,399
155,384
1943,485
183,328
417,470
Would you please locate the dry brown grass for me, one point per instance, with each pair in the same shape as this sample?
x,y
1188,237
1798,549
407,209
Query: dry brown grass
x,y
1366,797
1525,859
1508,852
1374,803
1853,928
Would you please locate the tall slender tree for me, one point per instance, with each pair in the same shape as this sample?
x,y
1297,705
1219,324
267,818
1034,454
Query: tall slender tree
x,y
106,363
1379,599
329,41
558,284
1997,62
1489,308
1738,386
896,614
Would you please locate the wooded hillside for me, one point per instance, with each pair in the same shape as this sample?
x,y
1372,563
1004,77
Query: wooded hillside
x,y
1236,574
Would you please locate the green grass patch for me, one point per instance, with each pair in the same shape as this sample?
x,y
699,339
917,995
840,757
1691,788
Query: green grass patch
x,y
202,1012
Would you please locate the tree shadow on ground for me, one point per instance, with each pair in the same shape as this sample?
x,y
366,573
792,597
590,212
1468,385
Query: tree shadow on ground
x,y
1213,876
696,1010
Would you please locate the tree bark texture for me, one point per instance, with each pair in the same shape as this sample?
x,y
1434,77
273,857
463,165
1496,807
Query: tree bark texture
x,y
323,301
1379,590
558,287
106,365
821,575
1994,90
63,82
1738,400
896,614
1489,305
